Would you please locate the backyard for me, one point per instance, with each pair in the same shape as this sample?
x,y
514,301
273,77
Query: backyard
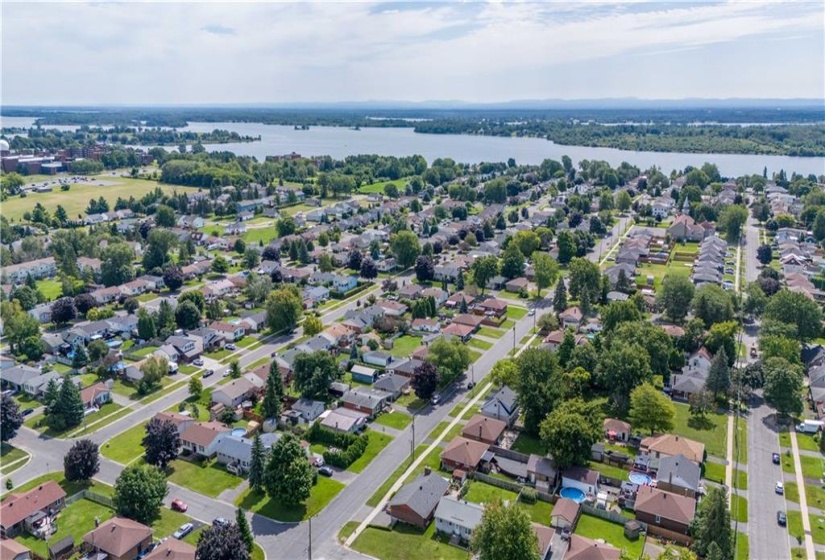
x,y
322,493
712,431
404,346
612,533
483,493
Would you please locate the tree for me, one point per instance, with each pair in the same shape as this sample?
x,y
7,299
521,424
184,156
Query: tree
x,y
405,247
505,372
26,296
139,493
701,404
63,310
711,527
97,350
283,309
354,259
623,201
451,358
369,270
130,305
784,383
505,532
288,476
222,542
313,372
570,431
257,287
539,390
325,263
234,369
424,269
18,325
512,262
193,296
116,264
80,357
195,387
173,277
675,296
244,530
84,302
146,325
484,269
794,308
220,265
286,226
82,461
312,325
712,304
731,220
764,254
10,418
257,464
621,368
153,370
425,380
164,216
187,316
718,381
161,442
619,312
772,346
560,297
756,300
651,410
527,241
68,409
585,280
566,246
546,270
271,405
51,394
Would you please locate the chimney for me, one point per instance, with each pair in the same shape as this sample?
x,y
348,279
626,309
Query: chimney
x,y
670,476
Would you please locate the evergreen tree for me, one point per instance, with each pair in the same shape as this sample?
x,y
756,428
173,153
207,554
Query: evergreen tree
x,y
244,530
271,406
459,284
712,525
257,464
463,306
560,297
68,409
50,397
80,358
718,381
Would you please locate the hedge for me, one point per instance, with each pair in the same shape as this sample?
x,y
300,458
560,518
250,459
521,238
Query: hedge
x,y
349,446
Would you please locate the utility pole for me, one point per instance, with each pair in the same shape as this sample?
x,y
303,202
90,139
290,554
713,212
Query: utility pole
x,y
514,340
309,548
412,441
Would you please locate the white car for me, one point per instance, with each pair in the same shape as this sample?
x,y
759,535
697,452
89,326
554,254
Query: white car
x,y
780,488
184,530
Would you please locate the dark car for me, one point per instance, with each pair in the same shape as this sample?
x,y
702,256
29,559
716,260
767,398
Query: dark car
x,y
781,518
209,372
471,384
27,411
775,458
326,471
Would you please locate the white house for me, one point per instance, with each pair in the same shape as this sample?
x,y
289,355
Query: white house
x,y
581,478
457,517
308,409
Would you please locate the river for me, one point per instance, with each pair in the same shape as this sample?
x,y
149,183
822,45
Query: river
x,y
340,142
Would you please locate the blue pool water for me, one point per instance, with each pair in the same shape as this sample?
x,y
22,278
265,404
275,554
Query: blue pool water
x,y
572,494
639,478
239,432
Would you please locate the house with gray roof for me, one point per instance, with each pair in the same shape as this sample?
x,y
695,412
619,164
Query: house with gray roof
x,y
679,475
15,377
237,450
416,501
456,517
367,400
503,405
393,384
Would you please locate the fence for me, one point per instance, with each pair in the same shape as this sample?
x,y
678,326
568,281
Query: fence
x,y
498,482
510,454
98,498
669,535
611,516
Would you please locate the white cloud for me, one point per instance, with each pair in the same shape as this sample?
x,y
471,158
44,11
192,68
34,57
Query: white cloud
x,y
276,52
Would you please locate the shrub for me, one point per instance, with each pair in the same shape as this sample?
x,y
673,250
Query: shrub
x,y
528,495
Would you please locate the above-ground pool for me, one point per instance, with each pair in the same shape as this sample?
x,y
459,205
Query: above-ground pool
x,y
639,478
239,432
572,494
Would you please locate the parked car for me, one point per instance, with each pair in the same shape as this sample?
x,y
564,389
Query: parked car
x,y
326,471
179,505
779,488
183,530
435,400
471,384
781,518
209,372
219,522
531,312
231,347
198,361
775,458
26,411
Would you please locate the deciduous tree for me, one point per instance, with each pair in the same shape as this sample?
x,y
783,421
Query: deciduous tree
x,y
484,269
405,247
283,309
314,371
63,310
161,442
783,386
425,380
288,476
570,431
651,410
139,493
222,542
546,270
424,269
505,532
795,309
82,461
10,418
675,296
451,358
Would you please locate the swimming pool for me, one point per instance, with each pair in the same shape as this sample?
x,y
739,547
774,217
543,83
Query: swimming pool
x,y
239,432
639,478
572,494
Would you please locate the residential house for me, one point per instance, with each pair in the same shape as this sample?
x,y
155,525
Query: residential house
x,y
586,480
678,475
16,376
181,421
582,548
344,420
172,549
410,291
463,332
21,511
13,550
363,374
42,312
210,339
188,348
473,321
540,471
415,502
230,332
516,285
440,296
404,367
233,393
491,306
565,514
201,437
37,269
366,400
339,335
377,358
395,385
425,325
685,228
309,409
484,429
106,295
669,445
503,405
343,284
662,509
392,308
120,538
464,454
616,430
96,395
571,318
237,450
456,517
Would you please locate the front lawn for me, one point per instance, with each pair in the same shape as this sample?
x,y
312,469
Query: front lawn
x,y
480,344
219,354
168,522
715,472
490,332
74,520
322,494
210,479
811,467
38,422
528,445
395,419
805,442
404,346
246,342
131,391
411,401
739,508
712,431
406,542
612,533
377,443
126,446
455,431
515,312
10,454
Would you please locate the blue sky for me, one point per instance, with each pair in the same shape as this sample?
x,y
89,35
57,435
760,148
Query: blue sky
x,y
200,53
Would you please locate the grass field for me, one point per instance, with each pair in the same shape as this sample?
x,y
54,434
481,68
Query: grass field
x,y
396,419
76,199
378,188
455,431
38,422
404,346
612,533
515,312
377,443
713,432
528,444
51,289
210,479
739,509
406,542
490,332
322,494
480,344
10,455
126,446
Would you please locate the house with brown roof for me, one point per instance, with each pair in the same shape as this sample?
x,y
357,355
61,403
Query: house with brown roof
x,y
425,325
120,538
473,321
516,285
234,393
571,318
463,332
544,536
582,548
669,445
492,306
95,396
484,429
172,549
181,421
23,511
616,430
464,454
13,550
663,509
201,438
565,514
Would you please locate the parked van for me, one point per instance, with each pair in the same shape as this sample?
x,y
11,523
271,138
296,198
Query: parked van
x,y
810,426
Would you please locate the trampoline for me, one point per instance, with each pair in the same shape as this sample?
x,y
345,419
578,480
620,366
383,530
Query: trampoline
x,y
572,494
639,478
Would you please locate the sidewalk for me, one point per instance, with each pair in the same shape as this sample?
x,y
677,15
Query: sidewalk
x,y
810,551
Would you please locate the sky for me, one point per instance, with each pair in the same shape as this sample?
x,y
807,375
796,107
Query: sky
x,y
190,53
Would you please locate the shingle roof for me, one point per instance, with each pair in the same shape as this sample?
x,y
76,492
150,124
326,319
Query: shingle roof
x,y
118,535
422,494
18,507
464,451
567,509
459,512
483,427
172,549
666,505
670,444
679,470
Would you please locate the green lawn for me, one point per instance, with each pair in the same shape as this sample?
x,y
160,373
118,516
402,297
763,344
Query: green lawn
x,y
817,528
455,431
126,446
378,188
612,533
145,351
742,547
515,312
795,529
480,344
715,472
168,522
219,354
742,429
407,543
474,356
404,346
347,530
792,492
739,509
394,419
411,402
377,443
322,494
11,458
712,432
71,488
490,332
812,467
804,441
51,289
387,484
483,493
38,422
528,444
609,470
210,479
265,234
75,520
787,462
131,391
246,342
